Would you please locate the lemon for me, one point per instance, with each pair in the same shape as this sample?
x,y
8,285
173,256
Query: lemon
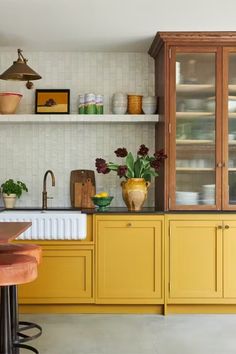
x,y
97,196
103,194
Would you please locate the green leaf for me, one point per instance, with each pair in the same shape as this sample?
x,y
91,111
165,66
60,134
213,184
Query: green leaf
x,y
138,166
10,186
130,161
148,174
130,165
129,174
112,166
147,177
145,163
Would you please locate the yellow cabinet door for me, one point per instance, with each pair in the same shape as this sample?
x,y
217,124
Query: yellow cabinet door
x,y
229,256
129,260
195,261
65,276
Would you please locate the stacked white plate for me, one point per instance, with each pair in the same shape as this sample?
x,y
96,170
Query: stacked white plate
x,y
119,103
149,104
186,198
208,194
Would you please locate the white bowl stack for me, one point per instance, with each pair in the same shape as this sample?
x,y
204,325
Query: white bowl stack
x,y
119,103
186,198
208,194
149,105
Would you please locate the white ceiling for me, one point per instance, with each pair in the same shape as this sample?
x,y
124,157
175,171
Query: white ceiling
x,y
106,25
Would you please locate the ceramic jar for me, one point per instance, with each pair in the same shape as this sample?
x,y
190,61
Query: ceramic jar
x,y
90,103
99,104
81,109
149,104
134,193
135,104
119,103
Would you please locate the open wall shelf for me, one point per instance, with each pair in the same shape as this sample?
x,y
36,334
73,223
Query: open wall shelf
x,y
78,118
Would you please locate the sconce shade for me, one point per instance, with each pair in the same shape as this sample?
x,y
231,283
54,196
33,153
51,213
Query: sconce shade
x,y
20,70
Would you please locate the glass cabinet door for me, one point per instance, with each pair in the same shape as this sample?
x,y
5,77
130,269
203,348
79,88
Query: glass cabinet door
x,y
194,123
231,138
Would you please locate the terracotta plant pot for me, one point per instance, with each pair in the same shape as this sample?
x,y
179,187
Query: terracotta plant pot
x,y
9,200
134,192
9,102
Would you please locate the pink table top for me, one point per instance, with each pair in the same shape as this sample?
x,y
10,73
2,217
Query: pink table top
x,y
9,231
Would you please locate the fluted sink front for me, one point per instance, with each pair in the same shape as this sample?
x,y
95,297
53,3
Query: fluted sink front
x,y
50,224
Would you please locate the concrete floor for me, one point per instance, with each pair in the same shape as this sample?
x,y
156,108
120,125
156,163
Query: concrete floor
x,y
135,334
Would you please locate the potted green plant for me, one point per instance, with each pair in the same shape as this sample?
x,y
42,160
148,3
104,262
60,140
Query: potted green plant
x,y
12,190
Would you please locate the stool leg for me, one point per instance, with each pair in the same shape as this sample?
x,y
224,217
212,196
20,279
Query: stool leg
x,y
18,327
5,322
14,317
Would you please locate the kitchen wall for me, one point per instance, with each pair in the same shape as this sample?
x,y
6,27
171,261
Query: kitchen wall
x,y
28,150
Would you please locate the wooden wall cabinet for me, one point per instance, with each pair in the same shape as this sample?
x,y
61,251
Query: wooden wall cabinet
x,y
196,87
129,261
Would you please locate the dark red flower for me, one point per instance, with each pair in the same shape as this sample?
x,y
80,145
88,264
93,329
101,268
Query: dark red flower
x,y
99,162
121,171
155,164
121,152
159,155
101,166
143,150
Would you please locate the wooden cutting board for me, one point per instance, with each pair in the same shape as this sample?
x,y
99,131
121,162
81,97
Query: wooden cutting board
x,y
82,188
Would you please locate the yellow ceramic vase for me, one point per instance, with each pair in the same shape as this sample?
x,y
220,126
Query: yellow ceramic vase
x,y
134,192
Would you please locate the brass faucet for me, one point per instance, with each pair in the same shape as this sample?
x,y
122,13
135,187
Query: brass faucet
x,y
44,194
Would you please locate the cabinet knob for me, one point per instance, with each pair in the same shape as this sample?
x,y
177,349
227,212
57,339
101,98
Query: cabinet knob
x,y
226,226
129,224
220,164
220,227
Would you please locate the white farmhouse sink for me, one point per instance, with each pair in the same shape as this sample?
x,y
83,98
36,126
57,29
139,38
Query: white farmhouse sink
x,y
49,224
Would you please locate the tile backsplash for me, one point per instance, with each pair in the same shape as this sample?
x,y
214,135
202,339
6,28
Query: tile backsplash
x,y
103,73
28,150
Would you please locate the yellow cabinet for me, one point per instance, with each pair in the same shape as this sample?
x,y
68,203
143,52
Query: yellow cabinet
x,y
195,260
229,256
129,259
65,275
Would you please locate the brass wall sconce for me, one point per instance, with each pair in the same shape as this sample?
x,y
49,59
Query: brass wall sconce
x,y
20,71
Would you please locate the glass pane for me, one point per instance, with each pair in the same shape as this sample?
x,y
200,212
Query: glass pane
x,y
232,128
195,129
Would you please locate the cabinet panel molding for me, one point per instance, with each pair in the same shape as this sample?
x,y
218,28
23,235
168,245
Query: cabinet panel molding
x,y
129,261
65,276
195,260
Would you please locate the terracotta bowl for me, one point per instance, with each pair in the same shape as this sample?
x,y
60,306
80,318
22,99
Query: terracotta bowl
x,y
9,102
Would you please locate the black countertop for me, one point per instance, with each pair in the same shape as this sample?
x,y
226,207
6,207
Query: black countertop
x,y
124,210
117,210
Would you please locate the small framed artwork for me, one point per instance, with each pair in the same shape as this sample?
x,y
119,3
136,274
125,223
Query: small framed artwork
x,y
52,101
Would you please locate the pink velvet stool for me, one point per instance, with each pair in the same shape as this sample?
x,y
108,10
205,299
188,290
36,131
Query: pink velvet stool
x,y
14,270
19,327
22,248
